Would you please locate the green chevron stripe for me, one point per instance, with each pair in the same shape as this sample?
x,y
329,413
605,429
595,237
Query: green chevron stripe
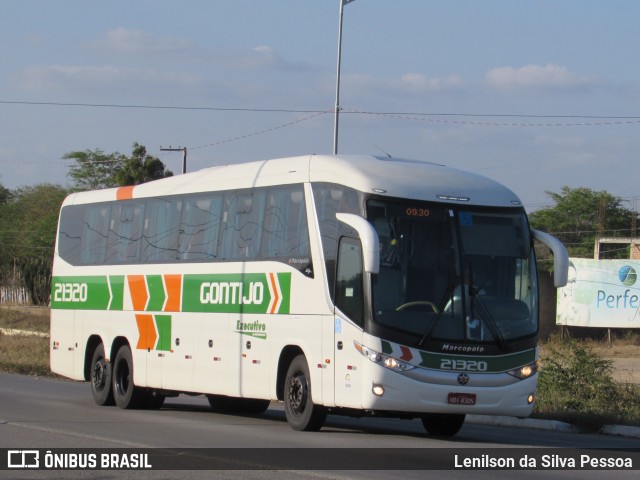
x,y
117,292
163,324
157,294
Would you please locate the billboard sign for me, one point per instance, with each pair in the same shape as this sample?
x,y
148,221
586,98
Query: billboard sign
x,y
600,293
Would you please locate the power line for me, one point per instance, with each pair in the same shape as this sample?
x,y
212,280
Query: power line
x,y
260,132
158,107
426,117
612,119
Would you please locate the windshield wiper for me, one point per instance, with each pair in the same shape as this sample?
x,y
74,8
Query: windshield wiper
x,y
448,295
486,316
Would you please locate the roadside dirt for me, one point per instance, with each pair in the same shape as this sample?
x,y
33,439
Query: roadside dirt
x,y
626,370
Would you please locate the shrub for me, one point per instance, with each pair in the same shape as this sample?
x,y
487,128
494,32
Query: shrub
x,y
576,385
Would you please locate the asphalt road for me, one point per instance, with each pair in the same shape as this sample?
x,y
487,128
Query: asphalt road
x,y
46,413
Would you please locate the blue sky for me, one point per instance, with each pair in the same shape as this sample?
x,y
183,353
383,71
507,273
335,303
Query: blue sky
x,y
536,94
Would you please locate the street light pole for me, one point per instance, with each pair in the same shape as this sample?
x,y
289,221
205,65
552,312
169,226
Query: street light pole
x,y
337,108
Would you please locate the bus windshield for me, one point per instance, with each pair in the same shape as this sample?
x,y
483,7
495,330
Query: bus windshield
x,y
453,274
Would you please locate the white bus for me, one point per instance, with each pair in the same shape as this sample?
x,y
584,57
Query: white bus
x,y
355,285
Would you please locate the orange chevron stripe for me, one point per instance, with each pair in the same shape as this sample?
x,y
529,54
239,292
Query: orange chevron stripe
x,y
147,330
124,193
276,298
173,284
139,294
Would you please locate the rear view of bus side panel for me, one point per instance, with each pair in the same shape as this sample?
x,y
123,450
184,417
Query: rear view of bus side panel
x,y
62,348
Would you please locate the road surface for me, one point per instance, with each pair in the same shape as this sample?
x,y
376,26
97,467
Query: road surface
x,y
44,413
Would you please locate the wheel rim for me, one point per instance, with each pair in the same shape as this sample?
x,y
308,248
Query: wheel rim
x,y
298,393
99,375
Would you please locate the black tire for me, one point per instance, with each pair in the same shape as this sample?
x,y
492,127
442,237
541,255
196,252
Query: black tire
x,y
443,424
100,378
125,393
302,414
251,406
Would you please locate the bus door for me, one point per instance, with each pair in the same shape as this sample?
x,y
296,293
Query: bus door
x,y
348,323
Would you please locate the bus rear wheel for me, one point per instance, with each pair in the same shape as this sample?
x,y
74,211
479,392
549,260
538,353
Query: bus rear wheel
x,y
302,414
100,378
125,393
442,424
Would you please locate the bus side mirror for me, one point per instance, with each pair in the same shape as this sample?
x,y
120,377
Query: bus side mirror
x,y
368,237
560,257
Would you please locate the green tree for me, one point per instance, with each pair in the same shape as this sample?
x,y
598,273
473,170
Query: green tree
x,y
5,226
576,216
5,194
27,233
96,170
141,168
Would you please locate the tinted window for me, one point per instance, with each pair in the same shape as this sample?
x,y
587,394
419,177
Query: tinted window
x,y
349,297
263,223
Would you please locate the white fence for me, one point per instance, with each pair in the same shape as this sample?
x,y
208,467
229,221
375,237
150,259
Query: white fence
x,y
14,295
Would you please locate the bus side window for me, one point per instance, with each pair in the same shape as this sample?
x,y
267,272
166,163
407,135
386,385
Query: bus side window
x,y
160,232
95,231
243,224
349,290
125,232
200,227
285,232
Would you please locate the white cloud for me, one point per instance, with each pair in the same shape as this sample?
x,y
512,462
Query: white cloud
x,y
411,83
60,76
140,43
123,40
536,76
262,57
417,82
258,58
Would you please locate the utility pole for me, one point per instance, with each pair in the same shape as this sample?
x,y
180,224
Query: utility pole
x,y
337,109
184,155
634,216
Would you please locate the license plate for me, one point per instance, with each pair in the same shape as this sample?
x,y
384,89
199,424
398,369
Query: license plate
x,y
461,399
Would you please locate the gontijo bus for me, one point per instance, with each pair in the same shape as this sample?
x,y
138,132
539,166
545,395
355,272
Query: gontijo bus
x,y
352,285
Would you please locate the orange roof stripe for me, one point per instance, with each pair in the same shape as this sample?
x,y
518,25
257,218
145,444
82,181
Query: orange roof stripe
x,y
125,193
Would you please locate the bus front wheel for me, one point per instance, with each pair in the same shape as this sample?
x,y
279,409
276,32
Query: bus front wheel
x,y
100,378
442,424
302,414
125,393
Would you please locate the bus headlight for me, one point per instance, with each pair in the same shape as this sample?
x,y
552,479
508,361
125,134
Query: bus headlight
x,y
384,360
524,372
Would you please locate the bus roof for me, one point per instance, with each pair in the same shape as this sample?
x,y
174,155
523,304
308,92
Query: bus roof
x,y
387,176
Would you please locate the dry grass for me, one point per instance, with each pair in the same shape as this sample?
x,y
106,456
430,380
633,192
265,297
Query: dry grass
x,y
19,317
24,355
